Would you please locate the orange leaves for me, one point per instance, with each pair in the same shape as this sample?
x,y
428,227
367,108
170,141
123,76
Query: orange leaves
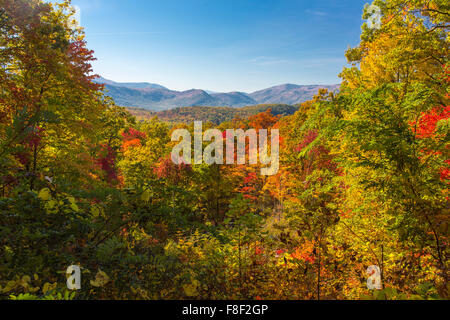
x,y
132,138
304,253
263,120
131,143
345,214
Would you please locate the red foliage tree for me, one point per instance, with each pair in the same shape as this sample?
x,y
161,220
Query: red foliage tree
x,y
30,143
133,134
107,162
166,169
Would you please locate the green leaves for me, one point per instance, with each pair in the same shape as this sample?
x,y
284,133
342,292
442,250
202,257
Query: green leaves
x,y
146,195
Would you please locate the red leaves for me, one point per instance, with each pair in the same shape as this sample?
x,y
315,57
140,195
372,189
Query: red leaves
x,y
30,143
107,158
258,251
107,161
426,126
445,172
250,178
132,134
248,189
310,137
23,157
34,138
250,186
426,129
79,58
166,169
318,156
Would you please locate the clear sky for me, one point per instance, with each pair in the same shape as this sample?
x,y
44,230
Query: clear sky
x,y
221,45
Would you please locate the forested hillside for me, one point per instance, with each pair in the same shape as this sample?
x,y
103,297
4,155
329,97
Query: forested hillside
x,y
363,181
216,115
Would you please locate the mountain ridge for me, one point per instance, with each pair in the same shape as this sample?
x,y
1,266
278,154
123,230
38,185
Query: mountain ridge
x,y
155,97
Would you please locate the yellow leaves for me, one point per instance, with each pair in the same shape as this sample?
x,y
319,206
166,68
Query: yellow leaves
x,y
95,211
142,293
171,248
191,290
49,287
53,204
11,285
73,204
45,194
24,282
101,279
402,52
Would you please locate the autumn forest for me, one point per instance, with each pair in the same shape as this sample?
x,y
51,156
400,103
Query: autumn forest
x,y
363,178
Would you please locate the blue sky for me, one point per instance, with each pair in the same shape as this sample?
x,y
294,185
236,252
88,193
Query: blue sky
x,y
221,45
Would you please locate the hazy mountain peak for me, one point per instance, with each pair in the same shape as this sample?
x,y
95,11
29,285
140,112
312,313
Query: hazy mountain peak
x,y
130,85
289,93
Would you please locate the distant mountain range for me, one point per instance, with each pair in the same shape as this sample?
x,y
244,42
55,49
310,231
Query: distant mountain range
x,y
155,97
